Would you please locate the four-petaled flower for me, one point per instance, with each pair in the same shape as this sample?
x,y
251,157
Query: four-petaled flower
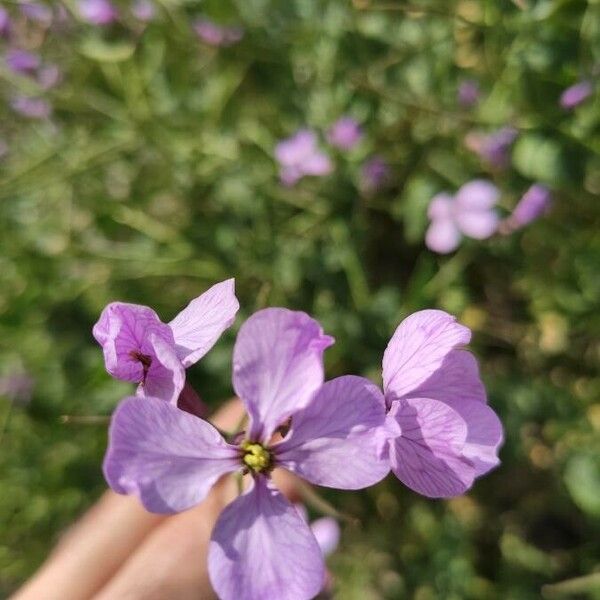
x,y
261,547
470,212
139,347
441,432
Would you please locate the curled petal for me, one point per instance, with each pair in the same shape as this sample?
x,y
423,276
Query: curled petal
x,y
427,456
126,328
277,366
165,377
334,441
165,456
198,326
418,348
262,548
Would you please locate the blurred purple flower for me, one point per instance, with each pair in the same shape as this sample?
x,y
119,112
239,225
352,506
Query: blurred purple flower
x,y
375,173
33,108
97,12
144,10
345,133
217,35
441,433
576,94
470,212
4,22
327,532
494,147
299,155
17,387
468,93
35,11
49,76
21,61
534,203
170,459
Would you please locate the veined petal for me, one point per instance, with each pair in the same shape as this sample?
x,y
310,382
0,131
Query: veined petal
x,y
418,348
457,378
262,548
334,441
165,456
427,456
277,366
484,434
165,377
125,328
200,324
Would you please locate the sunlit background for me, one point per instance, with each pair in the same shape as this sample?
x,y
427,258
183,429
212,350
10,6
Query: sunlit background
x,y
138,162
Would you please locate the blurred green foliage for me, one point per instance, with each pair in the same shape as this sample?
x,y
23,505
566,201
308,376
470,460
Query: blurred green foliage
x,y
155,178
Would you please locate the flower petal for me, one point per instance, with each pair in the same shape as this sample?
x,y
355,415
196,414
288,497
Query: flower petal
x,y
198,326
277,366
165,456
262,548
427,455
457,378
125,328
478,194
484,434
442,236
327,532
166,376
334,441
477,224
418,348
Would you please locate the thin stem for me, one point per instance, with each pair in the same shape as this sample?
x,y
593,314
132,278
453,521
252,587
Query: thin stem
x,y
577,585
314,500
84,419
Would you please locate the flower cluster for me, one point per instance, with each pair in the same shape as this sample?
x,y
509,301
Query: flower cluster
x,y
431,425
299,155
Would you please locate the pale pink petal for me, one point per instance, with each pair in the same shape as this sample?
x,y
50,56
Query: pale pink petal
x,y
440,207
442,236
317,164
427,456
479,225
277,366
198,326
417,349
165,456
261,548
294,150
327,532
333,441
166,376
478,194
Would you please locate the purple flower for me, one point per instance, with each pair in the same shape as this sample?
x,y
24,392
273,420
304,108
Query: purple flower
x,y
144,10
327,532
36,11
345,133
299,156
441,432
4,22
33,108
21,61
139,347
535,202
494,147
217,35
374,174
576,94
97,12
171,459
468,93
471,213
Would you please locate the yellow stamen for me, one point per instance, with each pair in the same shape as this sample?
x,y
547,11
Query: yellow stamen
x,y
255,456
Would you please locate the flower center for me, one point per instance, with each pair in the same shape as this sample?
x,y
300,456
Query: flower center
x,y
143,358
255,456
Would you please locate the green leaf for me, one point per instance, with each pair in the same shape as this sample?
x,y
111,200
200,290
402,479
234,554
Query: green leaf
x,y
100,50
